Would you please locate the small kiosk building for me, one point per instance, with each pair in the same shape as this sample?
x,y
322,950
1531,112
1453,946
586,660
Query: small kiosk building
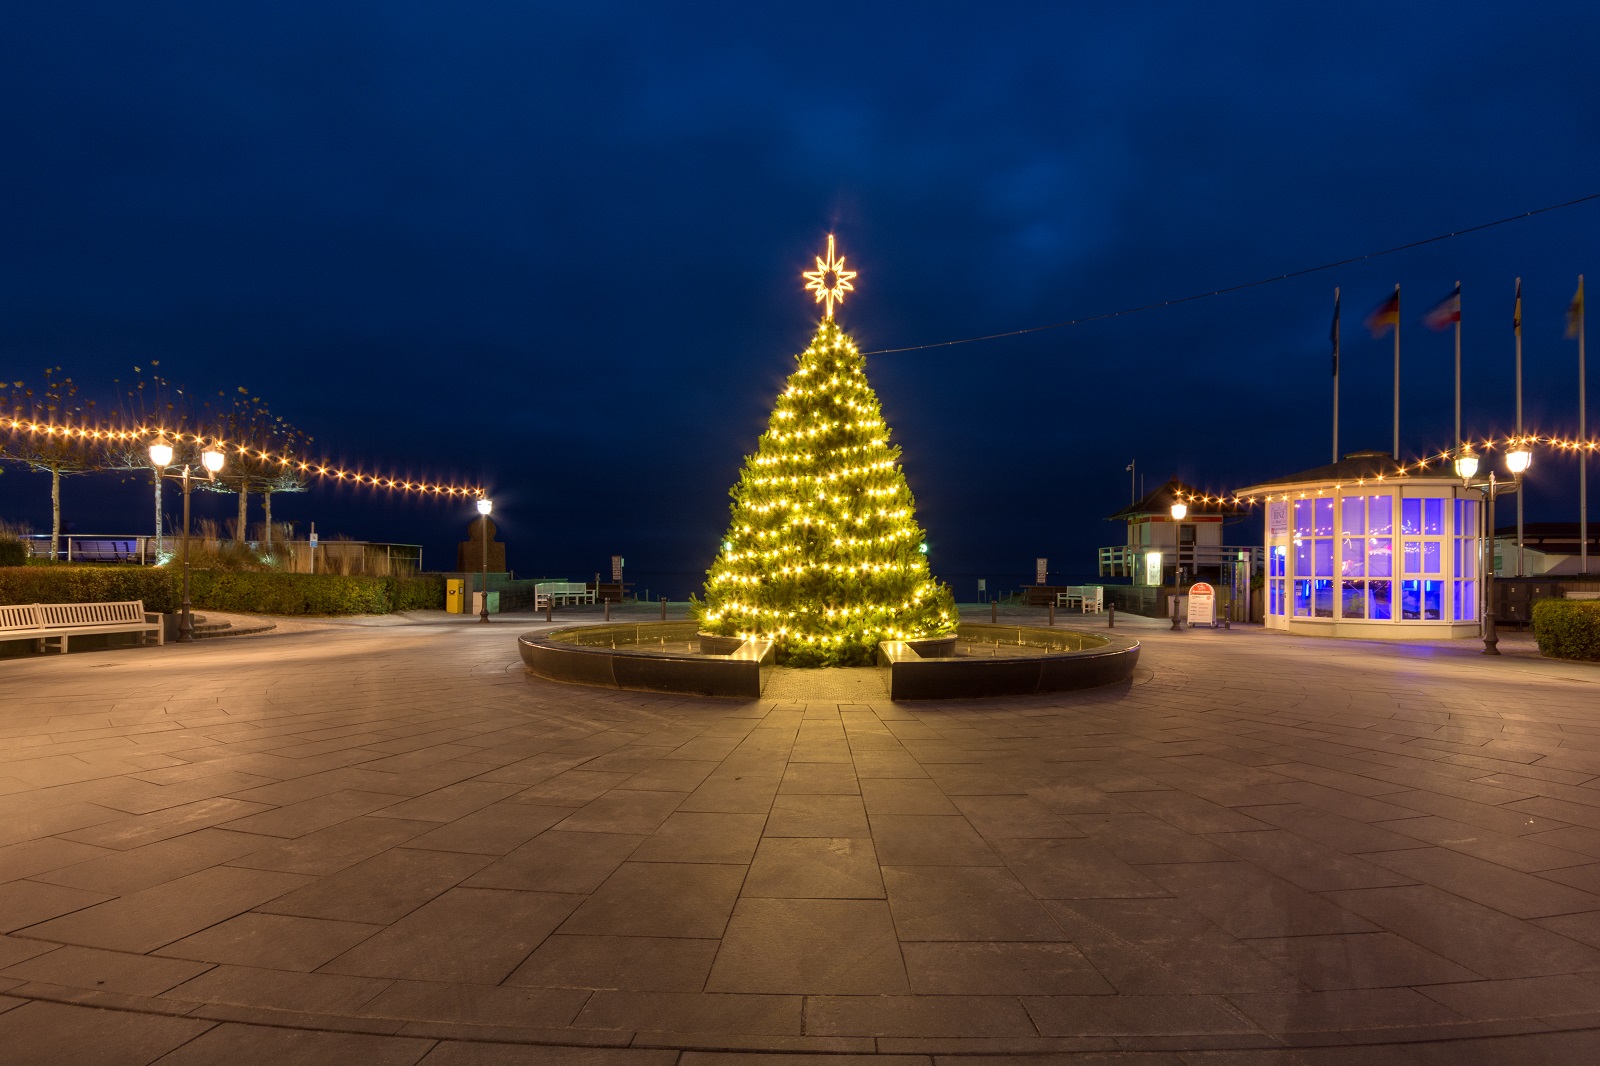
x,y
1159,548
1359,549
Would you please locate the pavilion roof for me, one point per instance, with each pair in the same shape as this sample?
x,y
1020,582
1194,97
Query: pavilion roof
x,y
1353,468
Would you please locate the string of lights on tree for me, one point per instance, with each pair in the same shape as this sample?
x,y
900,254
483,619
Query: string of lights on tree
x,y
91,435
1401,470
823,553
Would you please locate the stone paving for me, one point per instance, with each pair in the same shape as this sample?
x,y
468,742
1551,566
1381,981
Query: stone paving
x,y
388,844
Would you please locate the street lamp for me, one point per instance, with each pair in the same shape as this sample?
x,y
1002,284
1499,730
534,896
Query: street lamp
x,y
485,505
1517,461
161,455
1179,510
160,458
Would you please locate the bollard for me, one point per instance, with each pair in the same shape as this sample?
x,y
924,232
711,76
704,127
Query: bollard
x,y
547,601
994,610
1052,608
663,608
1227,614
608,608
1111,615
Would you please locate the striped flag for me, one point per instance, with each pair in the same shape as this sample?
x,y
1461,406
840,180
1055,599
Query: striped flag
x,y
1444,313
1575,311
1385,316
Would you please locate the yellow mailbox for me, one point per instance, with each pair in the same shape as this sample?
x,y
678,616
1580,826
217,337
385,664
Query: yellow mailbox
x,y
455,595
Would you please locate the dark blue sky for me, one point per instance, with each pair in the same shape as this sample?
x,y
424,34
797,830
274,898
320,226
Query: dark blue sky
x,y
556,247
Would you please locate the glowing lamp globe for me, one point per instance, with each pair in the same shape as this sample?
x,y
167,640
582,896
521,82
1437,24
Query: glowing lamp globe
x,y
161,452
1466,464
1178,511
485,505
1518,459
211,459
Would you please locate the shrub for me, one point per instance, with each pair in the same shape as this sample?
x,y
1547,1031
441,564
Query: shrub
x,y
13,549
268,592
417,593
66,583
1568,629
246,591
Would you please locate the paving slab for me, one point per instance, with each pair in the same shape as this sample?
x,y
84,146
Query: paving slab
x,y
1262,849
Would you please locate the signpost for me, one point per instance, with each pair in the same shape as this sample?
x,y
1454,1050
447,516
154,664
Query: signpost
x,y
616,569
983,587
313,547
1040,567
1202,605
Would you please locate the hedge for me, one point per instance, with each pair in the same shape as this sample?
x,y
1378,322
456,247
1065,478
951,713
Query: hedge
x,y
248,591
1568,629
90,584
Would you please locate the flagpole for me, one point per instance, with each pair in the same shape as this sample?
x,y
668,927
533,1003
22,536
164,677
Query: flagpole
x,y
1518,324
1458,365
1397,373
1336,374
1583,454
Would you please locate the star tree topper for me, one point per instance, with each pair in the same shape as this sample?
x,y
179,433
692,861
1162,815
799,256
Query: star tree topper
x,y
830,281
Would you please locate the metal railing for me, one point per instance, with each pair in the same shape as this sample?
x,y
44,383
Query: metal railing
x,y
102,548
331,555
1127,560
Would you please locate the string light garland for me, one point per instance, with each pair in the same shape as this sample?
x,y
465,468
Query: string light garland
x,y
1400,470
1240,286
311,468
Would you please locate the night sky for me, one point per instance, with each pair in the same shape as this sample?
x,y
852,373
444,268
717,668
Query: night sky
x,y
556,247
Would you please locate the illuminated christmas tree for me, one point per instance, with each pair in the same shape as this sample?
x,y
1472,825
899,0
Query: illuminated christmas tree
x,y
823,553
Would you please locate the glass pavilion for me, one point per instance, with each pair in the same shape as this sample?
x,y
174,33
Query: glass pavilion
x,y
1357,549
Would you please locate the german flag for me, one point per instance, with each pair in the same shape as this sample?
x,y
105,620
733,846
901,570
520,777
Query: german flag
x,y
1575,311
1385,316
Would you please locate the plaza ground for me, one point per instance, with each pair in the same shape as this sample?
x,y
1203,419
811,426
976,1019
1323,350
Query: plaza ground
x,y
381,841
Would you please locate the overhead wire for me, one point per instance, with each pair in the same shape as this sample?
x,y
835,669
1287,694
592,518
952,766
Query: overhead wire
x,y
1083,320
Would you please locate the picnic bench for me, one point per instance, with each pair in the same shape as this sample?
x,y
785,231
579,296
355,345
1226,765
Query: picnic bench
x,y
1086,598
42,622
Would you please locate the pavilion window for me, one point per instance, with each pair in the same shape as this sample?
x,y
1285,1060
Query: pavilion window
x,y
1465,562
1277,567
1424,541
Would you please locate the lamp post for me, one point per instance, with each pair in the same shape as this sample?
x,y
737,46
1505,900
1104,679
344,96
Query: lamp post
x,y
211,459
1517,461
485,505
160,458
1179,510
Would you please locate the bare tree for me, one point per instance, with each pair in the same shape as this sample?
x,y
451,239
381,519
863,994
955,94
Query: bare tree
x,y
262,448
146,402
54,404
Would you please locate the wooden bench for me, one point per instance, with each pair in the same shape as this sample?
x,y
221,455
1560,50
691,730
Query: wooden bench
x,y
563,592
1087,598
42,622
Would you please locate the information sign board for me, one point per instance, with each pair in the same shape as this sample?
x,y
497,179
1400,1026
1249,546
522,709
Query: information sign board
x,y
1277,518
1040,568
616,568
1202,604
